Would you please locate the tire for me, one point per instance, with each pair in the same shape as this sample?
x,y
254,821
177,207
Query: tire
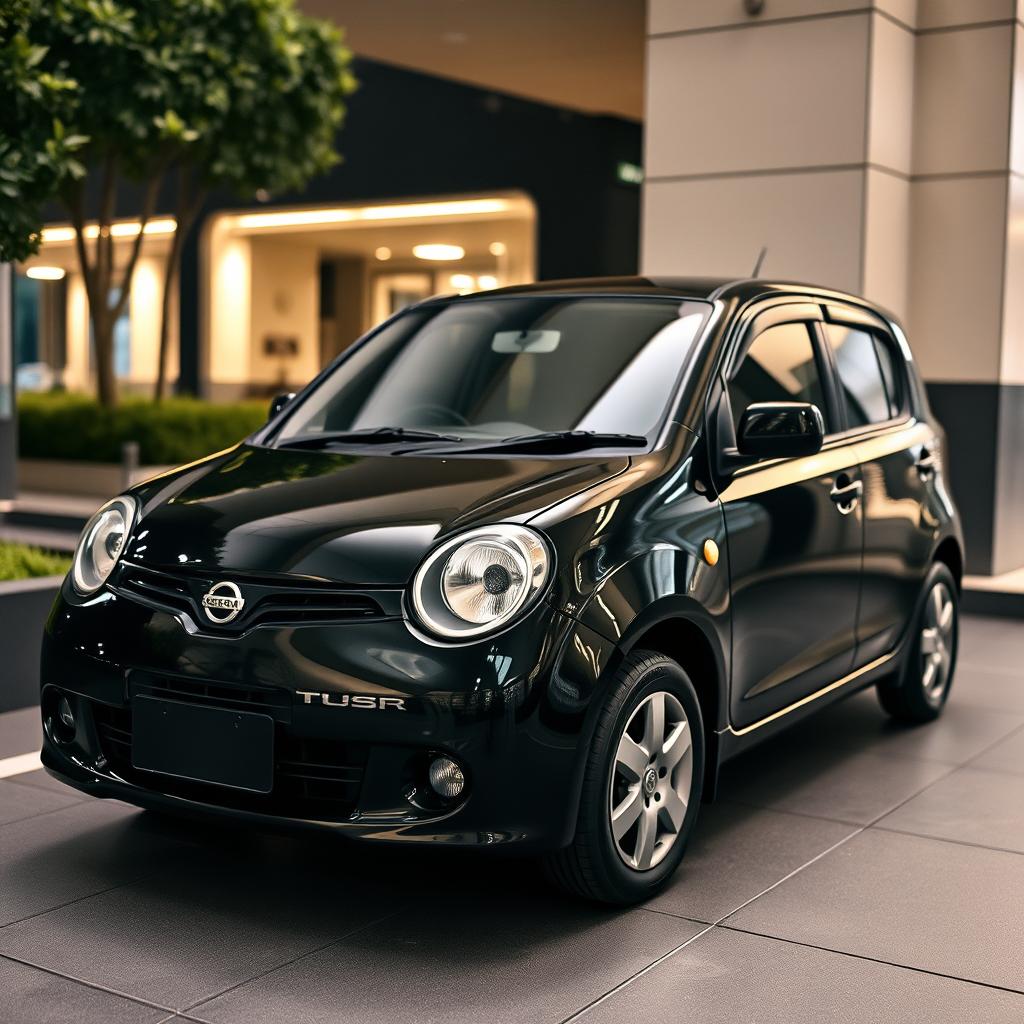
x,y
918,692
633,867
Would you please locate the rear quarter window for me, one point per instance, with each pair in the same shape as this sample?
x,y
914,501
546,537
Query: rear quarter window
x,y
871,383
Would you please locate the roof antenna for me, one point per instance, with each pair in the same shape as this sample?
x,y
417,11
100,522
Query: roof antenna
x,y
760,261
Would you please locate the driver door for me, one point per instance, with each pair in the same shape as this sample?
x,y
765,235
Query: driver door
x,y
794,527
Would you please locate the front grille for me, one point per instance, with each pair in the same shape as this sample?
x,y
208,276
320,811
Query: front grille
x,y
268,602
313,778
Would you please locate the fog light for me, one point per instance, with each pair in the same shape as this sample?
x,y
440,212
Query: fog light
x,y
446,778
65,714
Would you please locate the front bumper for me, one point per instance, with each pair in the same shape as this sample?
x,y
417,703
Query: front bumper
x,y
511,710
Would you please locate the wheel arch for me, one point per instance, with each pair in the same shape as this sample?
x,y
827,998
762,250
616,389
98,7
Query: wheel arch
x,y
679,634
951,555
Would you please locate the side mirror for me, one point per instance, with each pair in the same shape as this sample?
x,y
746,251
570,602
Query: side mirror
x,y
279,402
780,430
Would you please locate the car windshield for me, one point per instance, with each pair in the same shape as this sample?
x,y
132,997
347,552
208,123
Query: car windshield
x,y
531,369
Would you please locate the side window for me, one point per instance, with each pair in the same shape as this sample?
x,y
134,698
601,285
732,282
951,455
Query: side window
x,y
780,366
868,381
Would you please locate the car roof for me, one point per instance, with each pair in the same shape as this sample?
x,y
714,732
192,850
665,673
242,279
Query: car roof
x,y
742,289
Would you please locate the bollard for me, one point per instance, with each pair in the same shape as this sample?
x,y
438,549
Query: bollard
x,y
129,463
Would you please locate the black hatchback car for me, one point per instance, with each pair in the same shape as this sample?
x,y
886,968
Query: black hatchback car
x,y
522,569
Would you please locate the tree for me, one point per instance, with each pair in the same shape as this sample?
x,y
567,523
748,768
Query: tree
x,y
243,94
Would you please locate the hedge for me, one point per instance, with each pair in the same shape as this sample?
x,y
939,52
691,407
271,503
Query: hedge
x,y
19,562
178,430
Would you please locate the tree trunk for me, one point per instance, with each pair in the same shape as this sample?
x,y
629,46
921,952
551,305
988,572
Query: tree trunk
x,y
103,346
99,276
171,265
188,208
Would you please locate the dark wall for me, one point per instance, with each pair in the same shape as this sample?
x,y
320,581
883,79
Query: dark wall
x,y
24,607
984,426
409,134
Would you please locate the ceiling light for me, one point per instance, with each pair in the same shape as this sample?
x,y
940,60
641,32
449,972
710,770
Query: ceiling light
x,y
487,281
498,248
46,273
462,282
383,253
397,211
438,251
121,229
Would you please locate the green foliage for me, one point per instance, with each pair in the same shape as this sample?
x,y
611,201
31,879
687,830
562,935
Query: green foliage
x,y
37,152
20,562
179,430
240,94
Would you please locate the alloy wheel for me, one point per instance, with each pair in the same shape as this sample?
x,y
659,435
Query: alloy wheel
x,y
937,641
650,785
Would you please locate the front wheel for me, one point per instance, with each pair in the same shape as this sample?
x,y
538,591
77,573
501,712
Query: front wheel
x,y
641,788
918,692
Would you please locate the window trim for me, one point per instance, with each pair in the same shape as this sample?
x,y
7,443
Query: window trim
x,y
795,311
876,328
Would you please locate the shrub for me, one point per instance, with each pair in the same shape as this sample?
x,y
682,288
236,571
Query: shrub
x,y
19,562
77,427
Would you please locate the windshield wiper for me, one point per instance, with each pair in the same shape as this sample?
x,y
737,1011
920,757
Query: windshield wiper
x,y
557,441
373,435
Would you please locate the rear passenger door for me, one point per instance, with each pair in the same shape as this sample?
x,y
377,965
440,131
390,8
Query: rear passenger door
x,y
899,459
794,526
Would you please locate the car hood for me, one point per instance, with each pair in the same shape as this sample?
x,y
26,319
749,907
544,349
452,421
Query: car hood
x,y
353,519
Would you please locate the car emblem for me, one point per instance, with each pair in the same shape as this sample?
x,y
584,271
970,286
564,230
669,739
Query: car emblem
x,y
223,602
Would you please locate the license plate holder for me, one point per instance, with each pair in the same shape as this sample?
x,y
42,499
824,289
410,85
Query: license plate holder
x,y
203,744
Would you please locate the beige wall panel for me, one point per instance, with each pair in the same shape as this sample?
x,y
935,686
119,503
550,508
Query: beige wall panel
x,y
886,235
956,276
945,13
1013,300
891,106
962,100
1017,116
285,305
687,15
810,223
774,96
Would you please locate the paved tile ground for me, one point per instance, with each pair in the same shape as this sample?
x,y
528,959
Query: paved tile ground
x,y
852,871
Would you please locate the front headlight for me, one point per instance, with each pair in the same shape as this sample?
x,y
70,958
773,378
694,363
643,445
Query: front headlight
x,y
101,544
480,580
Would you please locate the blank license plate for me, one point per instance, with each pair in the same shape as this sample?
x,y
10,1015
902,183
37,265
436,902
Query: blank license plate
x,y
204,744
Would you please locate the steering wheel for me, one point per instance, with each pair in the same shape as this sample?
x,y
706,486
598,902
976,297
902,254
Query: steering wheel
x,y
443,409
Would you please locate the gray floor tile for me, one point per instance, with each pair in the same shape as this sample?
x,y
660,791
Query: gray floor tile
x,y
30,996
20,732
230,907
916,902
992,642
727,976
42,779
836,782
522,959
1001,689
969,806
18,802
736,853
1006,756
963,731
48,860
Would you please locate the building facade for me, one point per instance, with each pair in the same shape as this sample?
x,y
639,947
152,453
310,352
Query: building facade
x,y
443,187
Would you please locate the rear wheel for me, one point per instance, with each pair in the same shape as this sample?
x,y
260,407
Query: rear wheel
x,y
642,786
919,691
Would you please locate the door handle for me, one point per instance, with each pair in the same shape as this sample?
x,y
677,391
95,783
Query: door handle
x,y
846,493
926,462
